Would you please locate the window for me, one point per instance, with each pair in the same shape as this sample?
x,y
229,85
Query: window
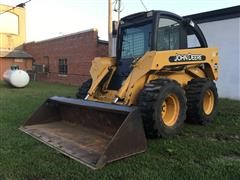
x,y
136,41
63,67
168,37
193,41
46,63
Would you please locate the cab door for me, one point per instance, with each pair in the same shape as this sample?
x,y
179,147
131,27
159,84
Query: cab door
x,y
171,34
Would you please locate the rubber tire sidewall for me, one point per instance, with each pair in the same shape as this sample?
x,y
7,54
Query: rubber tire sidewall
x,y
205,119
83,89
163,129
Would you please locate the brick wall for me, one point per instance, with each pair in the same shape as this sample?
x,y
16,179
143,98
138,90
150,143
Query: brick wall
x,y
79,49
102,49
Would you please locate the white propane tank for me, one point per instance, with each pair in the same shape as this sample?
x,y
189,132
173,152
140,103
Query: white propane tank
x,y
16,77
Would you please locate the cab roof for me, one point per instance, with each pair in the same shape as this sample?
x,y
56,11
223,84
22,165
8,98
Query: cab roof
x,y
154,13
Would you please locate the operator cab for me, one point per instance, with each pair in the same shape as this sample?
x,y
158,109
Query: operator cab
x,y
152,31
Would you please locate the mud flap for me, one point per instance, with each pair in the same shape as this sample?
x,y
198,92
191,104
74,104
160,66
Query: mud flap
x,y
92,133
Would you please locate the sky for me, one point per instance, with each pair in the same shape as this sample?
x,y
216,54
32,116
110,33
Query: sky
x,y
51,18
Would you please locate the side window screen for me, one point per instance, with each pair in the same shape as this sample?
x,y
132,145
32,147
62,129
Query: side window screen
x,y
168,37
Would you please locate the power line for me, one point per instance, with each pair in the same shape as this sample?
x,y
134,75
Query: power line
x,y
143,5
19,5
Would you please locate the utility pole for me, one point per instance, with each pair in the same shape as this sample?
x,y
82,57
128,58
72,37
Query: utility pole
x,y
119,10
110,28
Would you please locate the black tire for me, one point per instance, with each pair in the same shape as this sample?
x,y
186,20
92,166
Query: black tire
x,y
83,90
151,101
196,90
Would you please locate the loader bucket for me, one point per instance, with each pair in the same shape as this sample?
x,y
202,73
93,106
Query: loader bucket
x,y
90,132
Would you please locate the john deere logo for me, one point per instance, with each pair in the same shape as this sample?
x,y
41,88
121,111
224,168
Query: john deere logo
x,y
187,57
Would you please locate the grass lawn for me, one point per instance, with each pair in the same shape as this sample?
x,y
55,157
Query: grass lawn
x,y
211,152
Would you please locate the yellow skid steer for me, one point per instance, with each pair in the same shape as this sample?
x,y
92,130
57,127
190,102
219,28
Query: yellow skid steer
x,y
163,75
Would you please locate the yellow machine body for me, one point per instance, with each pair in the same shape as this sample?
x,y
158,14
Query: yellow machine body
x,y
153,65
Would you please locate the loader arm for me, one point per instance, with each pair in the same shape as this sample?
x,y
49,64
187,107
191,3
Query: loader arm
x,y
99,69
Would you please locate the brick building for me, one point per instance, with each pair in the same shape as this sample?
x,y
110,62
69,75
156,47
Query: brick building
x,y
67,59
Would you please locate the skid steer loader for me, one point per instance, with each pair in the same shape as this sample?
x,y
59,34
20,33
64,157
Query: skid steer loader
x,y
163,74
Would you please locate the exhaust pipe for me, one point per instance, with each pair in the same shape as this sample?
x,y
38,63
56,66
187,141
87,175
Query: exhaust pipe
x,y
92,133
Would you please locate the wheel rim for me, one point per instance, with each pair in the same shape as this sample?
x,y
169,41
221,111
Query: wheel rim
x,y
170,110
208,102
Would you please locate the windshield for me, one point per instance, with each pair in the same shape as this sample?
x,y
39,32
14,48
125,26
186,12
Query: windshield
x,y
136,41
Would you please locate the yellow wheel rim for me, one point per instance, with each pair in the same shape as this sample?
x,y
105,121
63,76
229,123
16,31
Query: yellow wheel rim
x,y
170,110
208,102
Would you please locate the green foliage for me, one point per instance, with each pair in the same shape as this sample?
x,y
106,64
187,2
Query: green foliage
x,y
199,152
